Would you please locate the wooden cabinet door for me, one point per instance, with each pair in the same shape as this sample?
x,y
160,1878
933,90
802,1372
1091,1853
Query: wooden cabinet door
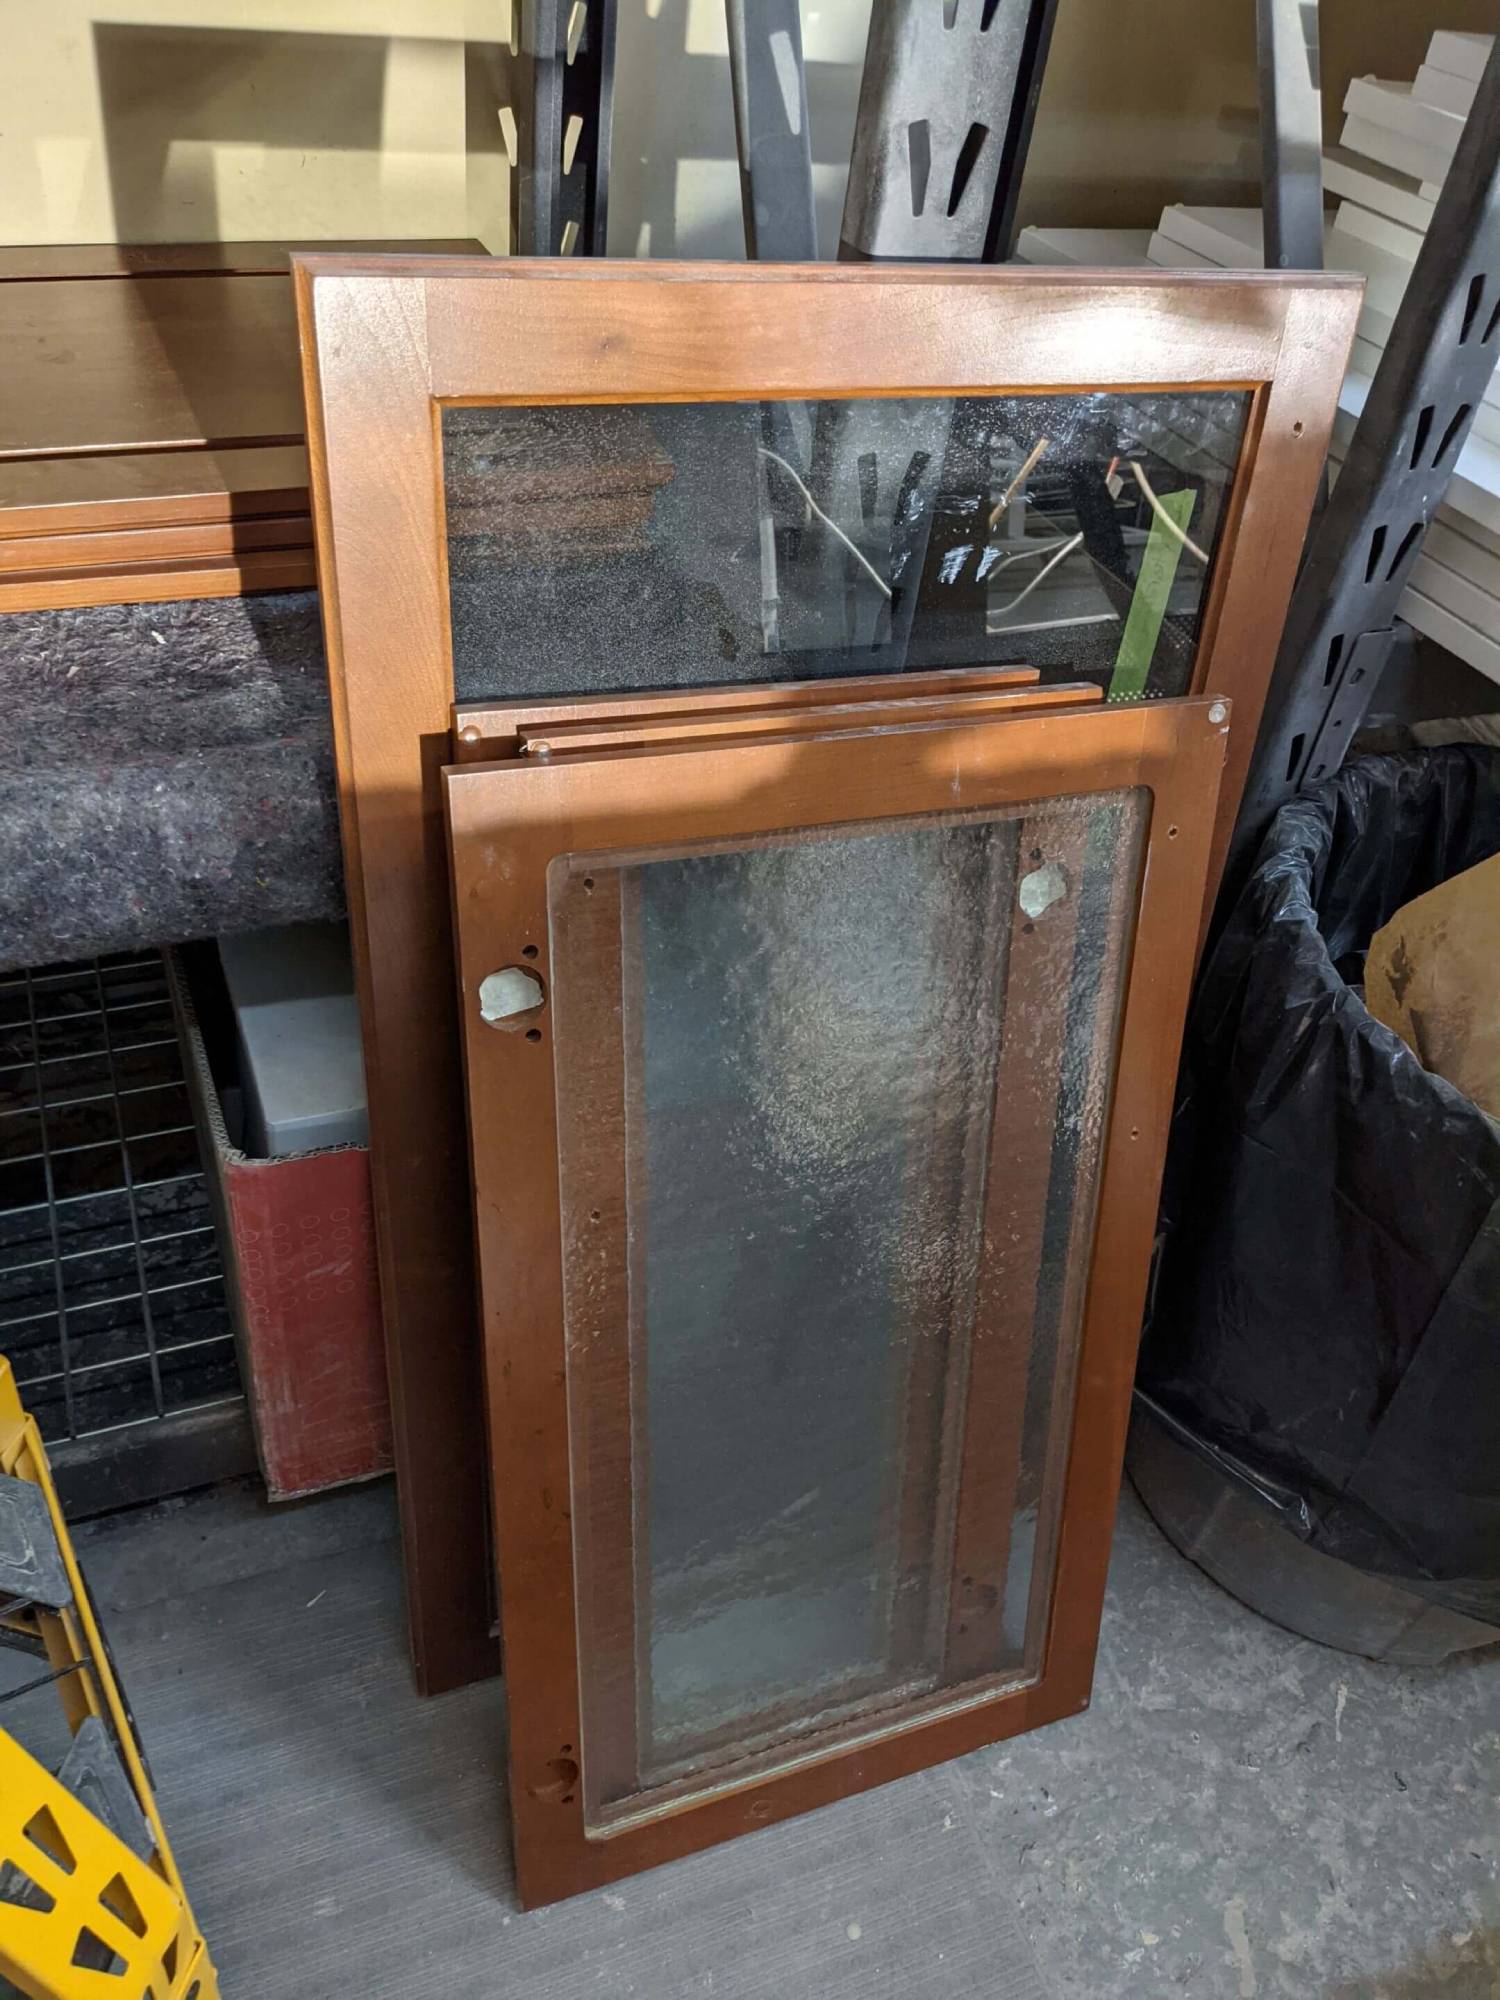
x,y
818,1084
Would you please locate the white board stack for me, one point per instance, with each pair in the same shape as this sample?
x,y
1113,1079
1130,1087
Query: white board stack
x,y
1099,247
1383,180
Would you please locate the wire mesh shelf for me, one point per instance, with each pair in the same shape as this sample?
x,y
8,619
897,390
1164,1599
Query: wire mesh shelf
x,y
113,1309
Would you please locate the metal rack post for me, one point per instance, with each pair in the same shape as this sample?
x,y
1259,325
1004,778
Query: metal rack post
x,y
556,125
771,128
947,102
946,108
1342,620
1291,134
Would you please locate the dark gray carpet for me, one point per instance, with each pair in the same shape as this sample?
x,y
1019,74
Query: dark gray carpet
x,y
166,772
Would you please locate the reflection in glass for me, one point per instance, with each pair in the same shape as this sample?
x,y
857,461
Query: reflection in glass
x,y
603,547
831,1110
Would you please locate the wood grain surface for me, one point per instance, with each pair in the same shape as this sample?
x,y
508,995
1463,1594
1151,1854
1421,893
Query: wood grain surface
x,y
20,261
181,364
147,489
151,390
509,823
386,342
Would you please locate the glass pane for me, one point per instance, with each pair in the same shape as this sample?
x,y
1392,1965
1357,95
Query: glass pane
x,y
597,548
830,1119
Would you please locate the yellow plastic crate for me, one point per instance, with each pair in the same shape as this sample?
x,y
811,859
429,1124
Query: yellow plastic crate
x,y
86,1899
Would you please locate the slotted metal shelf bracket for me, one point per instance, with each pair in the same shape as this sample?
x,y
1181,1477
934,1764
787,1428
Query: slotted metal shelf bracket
x,y
946,108
555,122
947,101
1342,620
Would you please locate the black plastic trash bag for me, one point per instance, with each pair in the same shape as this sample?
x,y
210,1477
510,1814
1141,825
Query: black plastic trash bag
x,y
1326,1313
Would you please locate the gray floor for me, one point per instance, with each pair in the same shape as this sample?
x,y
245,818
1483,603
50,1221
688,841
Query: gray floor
x,y
1240,1814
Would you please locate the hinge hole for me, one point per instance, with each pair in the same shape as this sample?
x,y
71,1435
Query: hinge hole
x,y
1335,654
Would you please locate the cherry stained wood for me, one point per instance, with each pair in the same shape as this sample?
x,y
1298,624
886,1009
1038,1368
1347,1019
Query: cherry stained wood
x,y
508,823
58,498
486,730
572,738
23,554
186,363
386,341
151,391
240,575
1023,1140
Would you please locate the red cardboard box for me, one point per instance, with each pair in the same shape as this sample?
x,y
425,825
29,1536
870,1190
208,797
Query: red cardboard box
x,y
299,1250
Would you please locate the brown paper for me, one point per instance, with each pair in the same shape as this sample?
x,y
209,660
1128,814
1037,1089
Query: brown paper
x,y
1433,975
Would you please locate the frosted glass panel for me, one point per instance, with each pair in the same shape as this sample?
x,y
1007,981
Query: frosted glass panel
x,y
830,1117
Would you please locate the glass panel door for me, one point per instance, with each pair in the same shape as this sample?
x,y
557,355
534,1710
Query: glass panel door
x,y
830,1115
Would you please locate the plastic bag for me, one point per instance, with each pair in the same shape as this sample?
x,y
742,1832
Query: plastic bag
x,y
1325,1320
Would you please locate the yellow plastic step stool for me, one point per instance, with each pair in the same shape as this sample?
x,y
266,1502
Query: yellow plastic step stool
x,y
82,1915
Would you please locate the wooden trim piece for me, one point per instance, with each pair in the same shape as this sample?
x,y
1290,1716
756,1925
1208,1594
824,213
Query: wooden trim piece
x,y
1034,1038
385,342
152,583
576,738
942,1372
1120,891
182,365
128,490
486,730
365,377
194,260
509,823
588,985
101,553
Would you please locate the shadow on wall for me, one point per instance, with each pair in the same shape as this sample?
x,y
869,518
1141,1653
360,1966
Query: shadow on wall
x,y
214,134
178,103
674,174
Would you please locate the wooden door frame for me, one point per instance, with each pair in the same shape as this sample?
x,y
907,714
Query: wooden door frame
x,y
386,343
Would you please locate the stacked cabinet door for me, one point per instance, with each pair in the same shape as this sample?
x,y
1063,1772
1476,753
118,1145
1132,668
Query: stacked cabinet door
x,y
584,500
818,1079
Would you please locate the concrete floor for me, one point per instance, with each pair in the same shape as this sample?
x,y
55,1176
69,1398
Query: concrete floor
x,y
1240,1813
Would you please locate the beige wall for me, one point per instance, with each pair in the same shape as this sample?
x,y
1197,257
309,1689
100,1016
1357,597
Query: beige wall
x,y
1144,102
1150,101
176,120
183,120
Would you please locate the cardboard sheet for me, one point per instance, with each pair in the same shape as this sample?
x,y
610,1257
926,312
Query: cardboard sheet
x,y
1432,973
